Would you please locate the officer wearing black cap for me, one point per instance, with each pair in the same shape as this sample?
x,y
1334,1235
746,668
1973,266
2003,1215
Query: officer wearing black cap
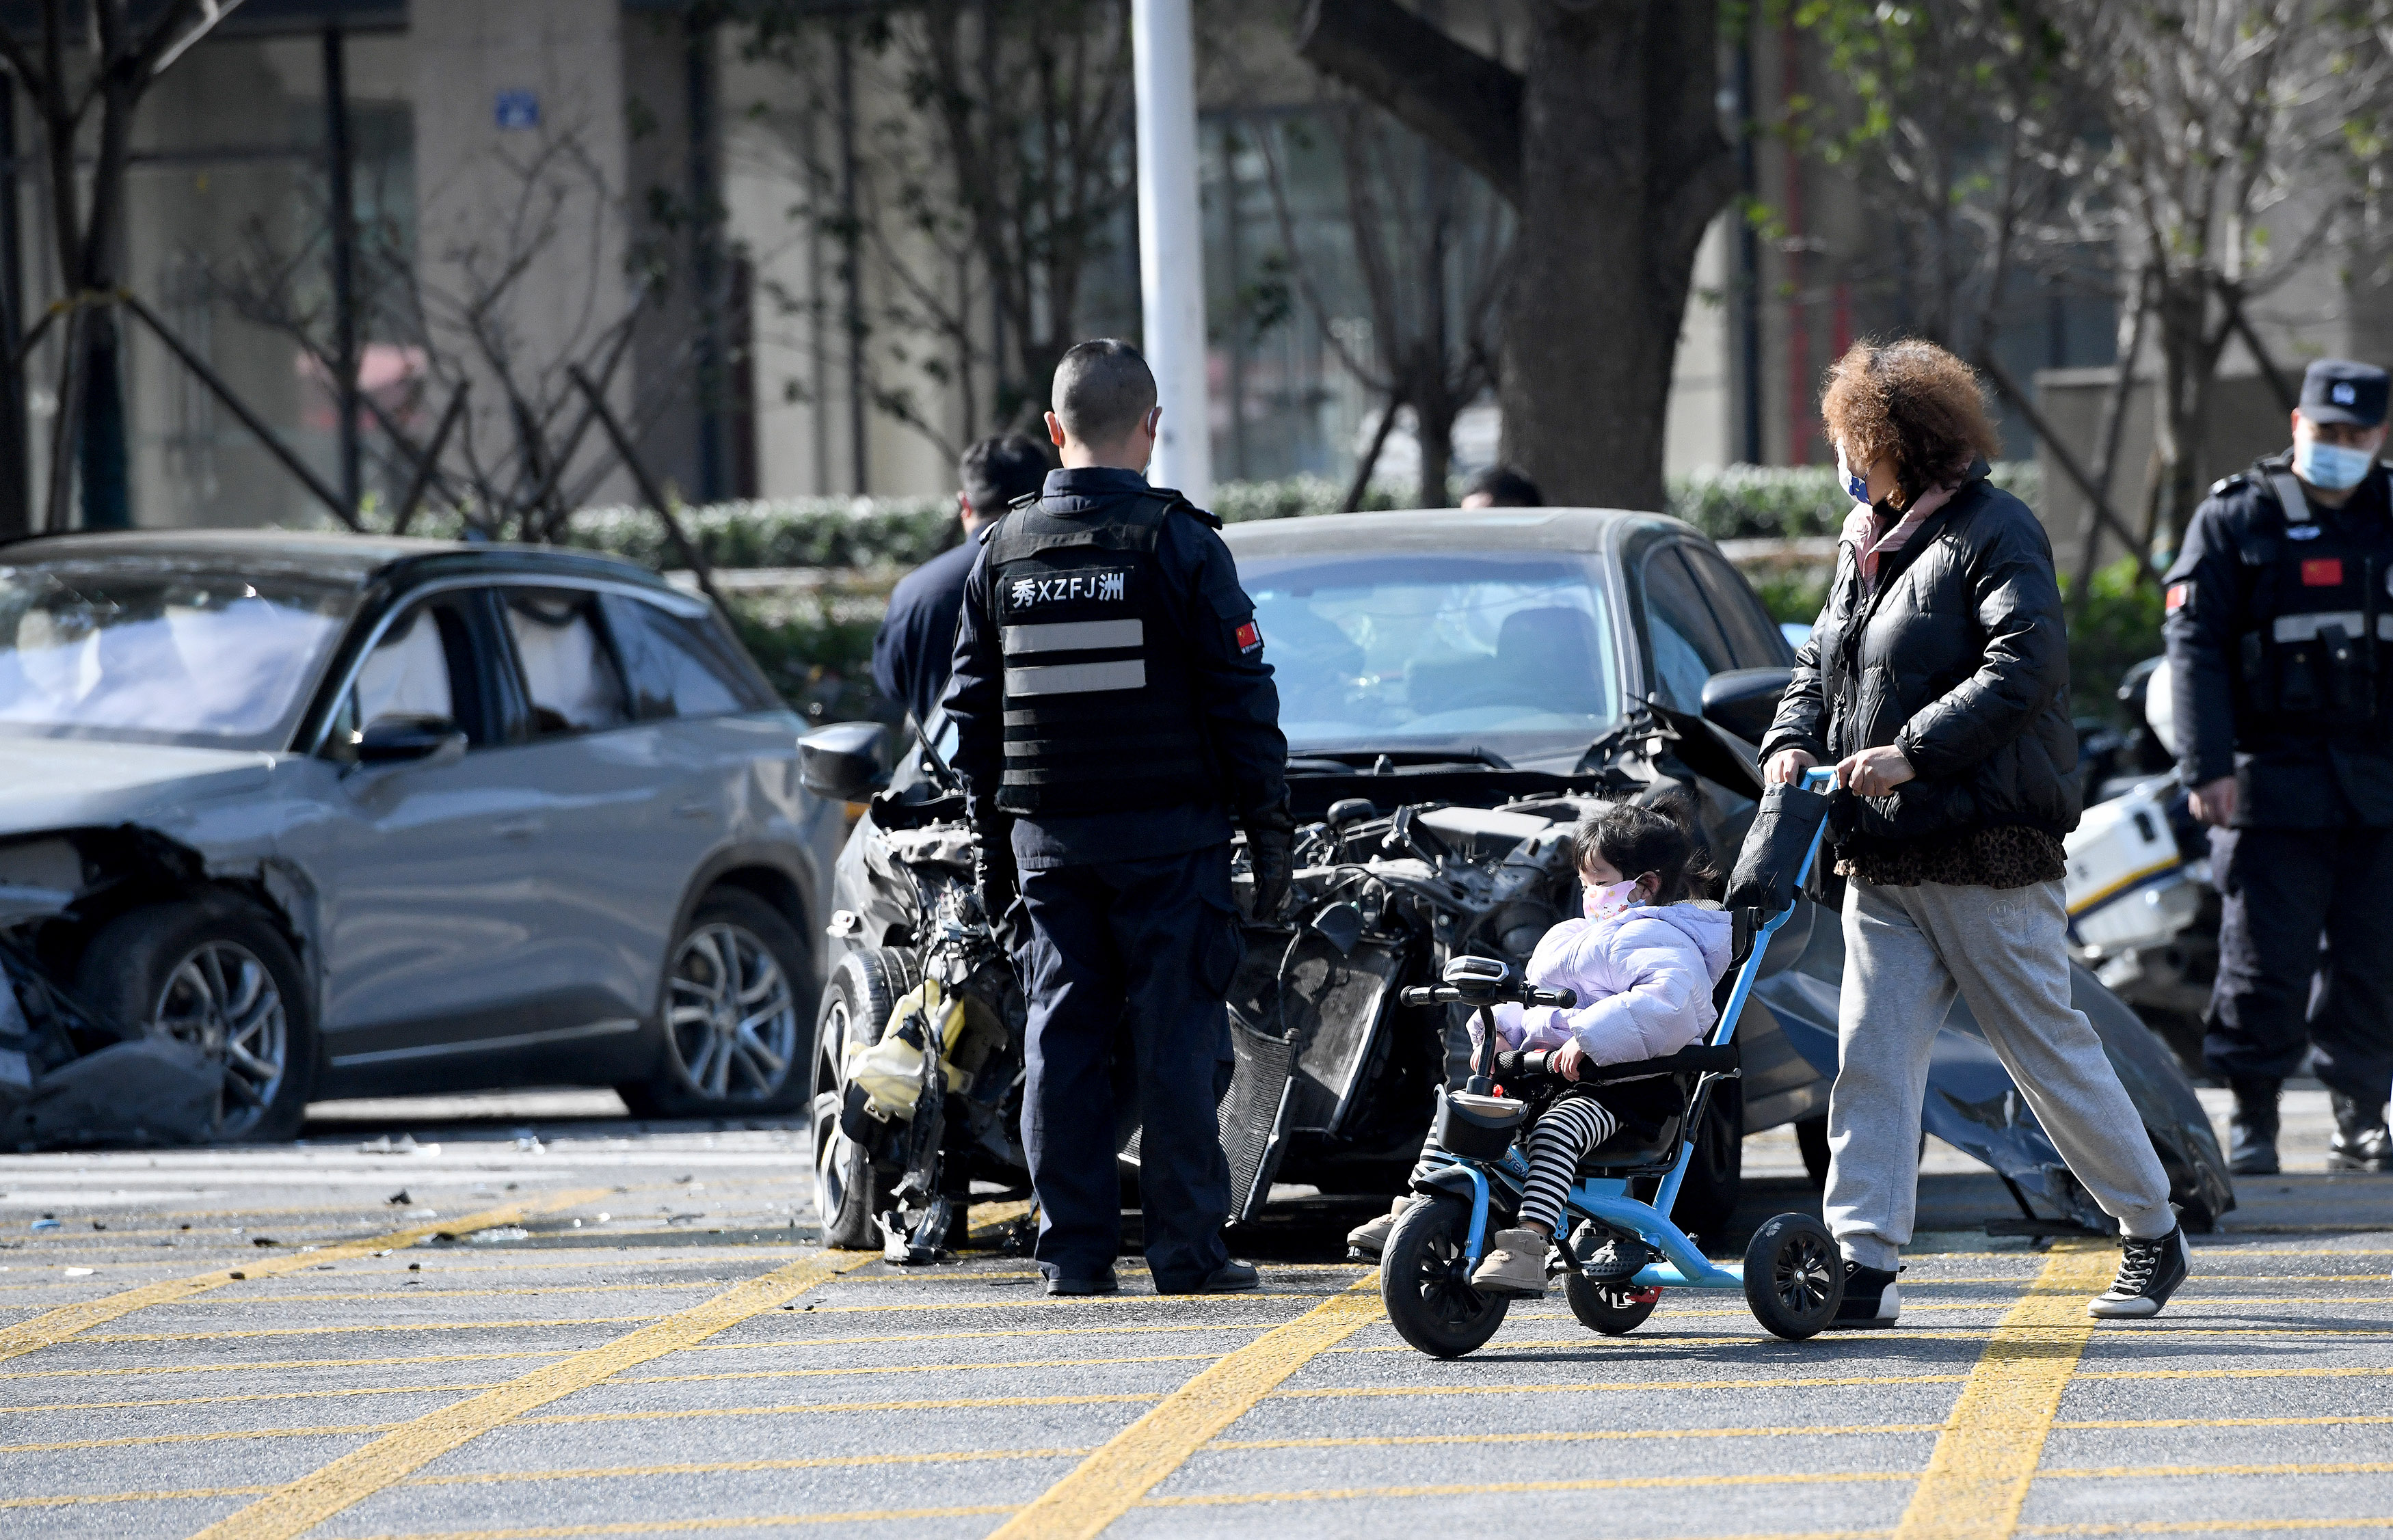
x,y
1115,714
2279,628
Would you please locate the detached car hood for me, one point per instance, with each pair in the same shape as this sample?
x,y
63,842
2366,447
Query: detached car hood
x,y
65,783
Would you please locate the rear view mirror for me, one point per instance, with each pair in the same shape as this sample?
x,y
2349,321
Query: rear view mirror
x,y
842,761
1744,700
407,738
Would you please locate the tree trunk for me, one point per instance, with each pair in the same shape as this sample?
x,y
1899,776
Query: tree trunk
x,y
1433,414
1620,166
107,486
2189,359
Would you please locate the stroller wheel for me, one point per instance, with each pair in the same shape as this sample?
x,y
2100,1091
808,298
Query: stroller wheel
x,y
1425,1281
1794,1278
1612,1309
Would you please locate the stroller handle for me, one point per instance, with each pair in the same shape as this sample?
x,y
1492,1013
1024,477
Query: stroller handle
x,y
1446,993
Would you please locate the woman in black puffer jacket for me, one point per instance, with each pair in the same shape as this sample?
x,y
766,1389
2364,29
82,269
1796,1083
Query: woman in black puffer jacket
x,y
1937,683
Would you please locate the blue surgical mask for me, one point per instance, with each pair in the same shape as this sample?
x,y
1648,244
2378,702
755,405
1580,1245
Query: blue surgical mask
x,y
1856,488
2331,466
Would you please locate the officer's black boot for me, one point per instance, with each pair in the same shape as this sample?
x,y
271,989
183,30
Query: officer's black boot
x,y
2360,1141
2252,1131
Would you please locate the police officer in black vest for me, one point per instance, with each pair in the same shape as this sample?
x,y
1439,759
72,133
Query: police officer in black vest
x,y
1116,715
2281,646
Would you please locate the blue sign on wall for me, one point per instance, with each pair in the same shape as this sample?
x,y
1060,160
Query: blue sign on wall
x,y
517,110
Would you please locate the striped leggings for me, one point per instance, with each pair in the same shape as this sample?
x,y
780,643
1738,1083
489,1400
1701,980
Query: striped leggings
x,y
1563,1132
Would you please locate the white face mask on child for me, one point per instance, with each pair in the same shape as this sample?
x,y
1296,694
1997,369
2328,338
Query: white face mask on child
x,y
1610,899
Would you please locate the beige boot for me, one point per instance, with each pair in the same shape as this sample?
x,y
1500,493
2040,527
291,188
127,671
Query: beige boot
x,y
1368,1239
1516,1265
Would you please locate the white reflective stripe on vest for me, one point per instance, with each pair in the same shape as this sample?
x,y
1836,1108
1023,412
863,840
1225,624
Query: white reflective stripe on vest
x,y
1129,673
2306,628
1074,636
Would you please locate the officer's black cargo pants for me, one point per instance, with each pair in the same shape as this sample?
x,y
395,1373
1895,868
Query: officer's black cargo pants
x,y
2277,994
1139,953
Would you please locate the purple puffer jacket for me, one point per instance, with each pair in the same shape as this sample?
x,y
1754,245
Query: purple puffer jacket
x,y
1643,977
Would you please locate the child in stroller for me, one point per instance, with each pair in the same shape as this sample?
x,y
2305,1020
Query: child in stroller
x,y
1642,962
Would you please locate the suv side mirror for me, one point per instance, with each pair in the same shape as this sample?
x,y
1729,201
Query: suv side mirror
x,y
407,738
1744,700
842,761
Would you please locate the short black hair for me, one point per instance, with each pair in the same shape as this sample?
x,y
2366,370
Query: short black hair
x,y
1103,387
1507,487
1634,840
997,470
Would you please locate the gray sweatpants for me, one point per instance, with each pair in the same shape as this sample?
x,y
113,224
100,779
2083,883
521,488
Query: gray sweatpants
x,y
1908,951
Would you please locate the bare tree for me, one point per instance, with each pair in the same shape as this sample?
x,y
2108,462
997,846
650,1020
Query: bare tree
x,y
988,174
1607,141
1431,246
111,69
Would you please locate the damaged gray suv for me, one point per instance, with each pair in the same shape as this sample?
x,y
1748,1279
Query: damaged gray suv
x,y
345,815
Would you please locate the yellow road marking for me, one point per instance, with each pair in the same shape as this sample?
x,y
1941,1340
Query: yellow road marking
x,y
188,1493
1107,1301
379,1325
958,1404
40,1408
2222,1422
2206,1526
2356,1468
1789,1383
1578,1436
67,1321
1107,1483
2272,1373
1979,1474
689,1526
396,1295
120,1372
301,1505
1473,1489
332,1431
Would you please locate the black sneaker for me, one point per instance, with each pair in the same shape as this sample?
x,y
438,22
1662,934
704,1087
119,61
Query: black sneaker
x,y
1231,1277
1062,1283
2148,1273
2361,1142
1870,1299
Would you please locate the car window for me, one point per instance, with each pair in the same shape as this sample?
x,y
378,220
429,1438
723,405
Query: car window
x,y
422,665
1689,645
570,673
1753,638
677,665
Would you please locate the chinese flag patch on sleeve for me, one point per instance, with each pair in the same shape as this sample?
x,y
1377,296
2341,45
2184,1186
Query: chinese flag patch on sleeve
x,y
2179,596
2322,572
1250,638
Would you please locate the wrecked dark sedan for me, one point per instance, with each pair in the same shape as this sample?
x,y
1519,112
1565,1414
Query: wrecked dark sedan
x,y
293,817
1458,689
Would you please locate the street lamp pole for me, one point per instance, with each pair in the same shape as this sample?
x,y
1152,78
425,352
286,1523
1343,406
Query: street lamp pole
x,y
1172,242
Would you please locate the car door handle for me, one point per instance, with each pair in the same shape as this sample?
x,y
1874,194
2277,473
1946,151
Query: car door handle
x,y
523,828
697,807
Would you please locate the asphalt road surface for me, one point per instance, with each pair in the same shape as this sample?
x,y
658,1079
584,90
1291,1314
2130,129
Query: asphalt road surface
x,y
521,1316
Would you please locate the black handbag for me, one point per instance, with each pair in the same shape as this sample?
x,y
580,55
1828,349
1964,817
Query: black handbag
x,y
1770,867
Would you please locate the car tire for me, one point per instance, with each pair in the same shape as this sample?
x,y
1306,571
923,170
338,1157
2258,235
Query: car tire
x,y
849,1192
1715,1176
214,972
734,1035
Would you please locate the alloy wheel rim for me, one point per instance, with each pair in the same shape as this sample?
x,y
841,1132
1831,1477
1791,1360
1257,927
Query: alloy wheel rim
x,y
222,1000
830,1140
730,1015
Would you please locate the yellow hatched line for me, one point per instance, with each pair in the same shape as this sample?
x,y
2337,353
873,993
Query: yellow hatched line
x,y
67,1321
1473,1489
374,1326
1110,1482
300,1506
1592,1435
1789,1383
698,1526
119,1371
1979,1474
2207,1526
2353,1467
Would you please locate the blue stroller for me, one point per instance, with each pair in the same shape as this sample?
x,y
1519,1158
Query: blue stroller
x,y
1792,1275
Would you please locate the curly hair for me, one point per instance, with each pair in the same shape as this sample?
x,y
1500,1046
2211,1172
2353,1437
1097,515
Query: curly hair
x,y
1912,399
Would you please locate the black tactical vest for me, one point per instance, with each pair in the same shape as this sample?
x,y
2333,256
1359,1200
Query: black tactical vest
x,y
2320,632
1101,713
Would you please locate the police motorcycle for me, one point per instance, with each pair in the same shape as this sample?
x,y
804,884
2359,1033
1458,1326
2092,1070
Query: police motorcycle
x,y
2143,911
1619,1248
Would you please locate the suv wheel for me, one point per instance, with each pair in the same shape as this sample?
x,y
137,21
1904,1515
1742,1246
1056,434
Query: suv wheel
x,y
732,1034
214,973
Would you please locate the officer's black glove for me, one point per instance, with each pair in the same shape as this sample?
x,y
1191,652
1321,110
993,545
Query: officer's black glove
x,y
1271,851
995,877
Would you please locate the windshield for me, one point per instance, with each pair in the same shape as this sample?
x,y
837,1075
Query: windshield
x,y
157,652
1452,650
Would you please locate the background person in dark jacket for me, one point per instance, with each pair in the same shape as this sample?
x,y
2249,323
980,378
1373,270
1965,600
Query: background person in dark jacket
x,y
1937,682
916,644
2280,652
